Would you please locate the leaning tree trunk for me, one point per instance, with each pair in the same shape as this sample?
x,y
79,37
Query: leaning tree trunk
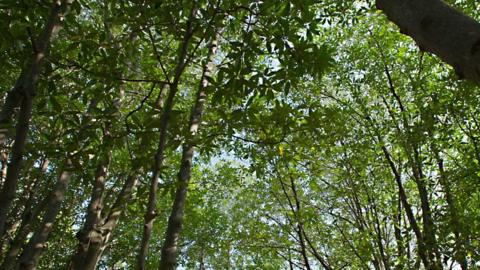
x,y
103,232
441,30
22,94
32,207
94,210
96,205
151,212
32,252
168,258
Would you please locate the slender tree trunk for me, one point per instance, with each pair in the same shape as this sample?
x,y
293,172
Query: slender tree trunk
x,y
441,30
422,249
3,171
411,150
26,227
168,258
32,252
459,253
9,188
300,230
90,233
378,234
23,94
397,226
429,231
30,210
151,211
202,260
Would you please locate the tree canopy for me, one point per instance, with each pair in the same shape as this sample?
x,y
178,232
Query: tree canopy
x,y
218,134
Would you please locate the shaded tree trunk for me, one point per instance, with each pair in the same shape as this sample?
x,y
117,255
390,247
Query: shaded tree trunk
x,y
397,226
94,212
151,211
459,252
26,227
22,94
32,252
422,249
441,30
32,208
102,234
168,258
3,171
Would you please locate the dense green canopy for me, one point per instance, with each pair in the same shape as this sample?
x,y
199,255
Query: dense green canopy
x,y
218,134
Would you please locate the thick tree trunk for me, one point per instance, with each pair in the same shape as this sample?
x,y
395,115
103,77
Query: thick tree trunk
x,y
23,93
9,188
102,234
151,211
32,252
94,213
441,30
168,258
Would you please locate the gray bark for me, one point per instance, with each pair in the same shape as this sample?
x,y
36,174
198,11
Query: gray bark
x,y
102,233
22,94
439,29
94,213
168,258
151,211
32,252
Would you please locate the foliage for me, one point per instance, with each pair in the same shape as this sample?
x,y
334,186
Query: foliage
x,y
307,102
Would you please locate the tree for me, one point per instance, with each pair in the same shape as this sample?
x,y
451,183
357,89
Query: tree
x,y
441,30
307,134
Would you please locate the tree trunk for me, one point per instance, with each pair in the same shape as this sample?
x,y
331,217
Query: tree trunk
x,y
3,171
168,258
32,252
397,226
102,234
94,212
441,30
89,233
23,94
26,227
422,249
151,212
459,252
32,208
9,188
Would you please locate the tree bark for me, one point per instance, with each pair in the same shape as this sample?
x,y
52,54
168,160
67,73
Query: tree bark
x,y
32,252
32,207
102,234
397,226
168,258
151,212
422,249
459,252
94,212
439,29
26,227
90,233
23,93
3,171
